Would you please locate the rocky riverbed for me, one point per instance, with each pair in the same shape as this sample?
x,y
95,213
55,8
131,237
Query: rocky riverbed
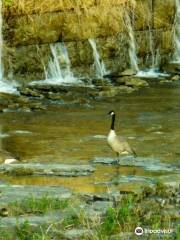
x,y
38,95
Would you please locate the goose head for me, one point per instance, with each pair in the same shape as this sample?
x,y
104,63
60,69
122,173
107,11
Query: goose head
x,y
111,113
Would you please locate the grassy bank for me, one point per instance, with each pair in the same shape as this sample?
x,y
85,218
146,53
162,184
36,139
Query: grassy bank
x,y
148,210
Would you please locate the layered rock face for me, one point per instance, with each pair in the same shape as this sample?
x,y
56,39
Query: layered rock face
x,y
31,25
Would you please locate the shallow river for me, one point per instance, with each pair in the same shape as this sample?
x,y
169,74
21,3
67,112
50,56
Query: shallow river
x,y
149,119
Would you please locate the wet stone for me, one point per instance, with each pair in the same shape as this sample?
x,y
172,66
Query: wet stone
x,y
61,88
136,82
128,72
30,92
148,163
14,193
46,169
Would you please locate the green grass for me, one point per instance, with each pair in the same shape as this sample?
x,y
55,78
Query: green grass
x,y
25,232
38,205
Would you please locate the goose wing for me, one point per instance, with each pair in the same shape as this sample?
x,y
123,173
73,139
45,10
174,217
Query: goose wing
x,y
124,145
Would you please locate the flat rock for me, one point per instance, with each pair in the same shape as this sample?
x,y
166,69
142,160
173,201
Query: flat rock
x,y
150,164
128,72
46,169
61,88
136,82
12,193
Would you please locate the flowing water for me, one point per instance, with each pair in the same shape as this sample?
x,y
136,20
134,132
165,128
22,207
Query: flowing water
x,y
132,43
149,119
153,70
59,67
100,69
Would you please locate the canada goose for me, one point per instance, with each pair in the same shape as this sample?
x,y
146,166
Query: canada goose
x,y
118,144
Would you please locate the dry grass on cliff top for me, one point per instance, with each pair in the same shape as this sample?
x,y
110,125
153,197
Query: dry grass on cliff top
x,y
23,7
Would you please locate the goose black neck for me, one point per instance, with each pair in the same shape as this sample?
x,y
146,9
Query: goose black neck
x,y
113,122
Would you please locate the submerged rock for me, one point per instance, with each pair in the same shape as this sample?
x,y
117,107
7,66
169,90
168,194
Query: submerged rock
x,y
114,91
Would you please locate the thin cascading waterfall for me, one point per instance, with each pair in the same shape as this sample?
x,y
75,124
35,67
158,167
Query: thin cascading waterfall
x,y
5,86
54,70
98,62
153,70
176,56
58,70
132,43
59,67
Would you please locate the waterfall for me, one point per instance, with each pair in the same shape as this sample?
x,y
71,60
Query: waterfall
x,y
132,43
153,71
98,62
59,67
58,70
176,57
5,86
